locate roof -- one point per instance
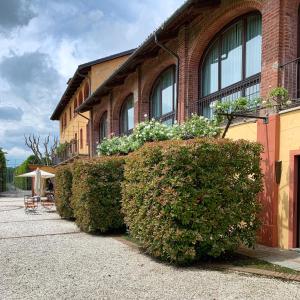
(78, 77)
(168, 30)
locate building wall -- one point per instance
(245, 130)
(289, 142)
(279, 45)
(97, 75)
(102, 71)
(76, 122)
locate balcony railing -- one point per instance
(72, 151)
(290, 80)
(249, 88)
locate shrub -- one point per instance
(151, 131)
(97, 194)
(63, 192)
(186, 199)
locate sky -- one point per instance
(41, 44)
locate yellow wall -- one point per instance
(289, 140)
(74, 124)
(102, 71)
(97, 75)
(246, 131)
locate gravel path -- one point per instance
(43, 257)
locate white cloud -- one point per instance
(46, 42)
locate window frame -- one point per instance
(103, 116)
(239, 86)
(124, 104)
(173, 113)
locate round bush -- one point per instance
(63, 192)
(186, 199)
(97, 194)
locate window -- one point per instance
(70, 112)
(65, 119)
(162, 102)
(127, 116)
(75, 143)
(232, 64)
(80, 98)
(81, 138)
(86, 91)
(103, 127)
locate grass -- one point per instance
(236, 260)
(246, 261)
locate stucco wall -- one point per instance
(246, 131)
(102, 71)
(289, 141)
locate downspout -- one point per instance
(175, 55)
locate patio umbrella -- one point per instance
(38, 175)
(38, 182)
(44, 174)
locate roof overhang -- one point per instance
(80, 74)
(148, 49)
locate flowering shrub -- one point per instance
(199, 126)
(153, 131)
(186, 199)
(279, 98)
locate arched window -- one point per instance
(127, 116)
(80, 98)
(86, 91)
(232, 64)
(162, 102)
(103, 127)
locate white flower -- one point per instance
(289, 102)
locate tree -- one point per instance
(2, 171)
(34, 143)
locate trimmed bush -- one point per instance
(63, 192)
(183, 200)
(97, 194)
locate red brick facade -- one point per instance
(280, 24)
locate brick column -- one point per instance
(183, 74)
(271, 42)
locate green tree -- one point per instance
(2, 171)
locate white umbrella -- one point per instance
(38, 182)
(44, 174)
(38, 175)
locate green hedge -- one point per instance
(63, 191)
(183, 200)
(97, 194)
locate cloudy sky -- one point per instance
(43, 41)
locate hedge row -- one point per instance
(63, 191)
(180, 199)
(187, 199)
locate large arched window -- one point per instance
(127, 116)
(232, 64)
(103, 127)
(163, 97)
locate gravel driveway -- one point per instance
(43, 257)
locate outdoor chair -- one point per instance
(48, 202)
(30, 203)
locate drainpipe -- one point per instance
(171, 52)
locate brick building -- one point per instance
(211, 50)
(74, 128)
